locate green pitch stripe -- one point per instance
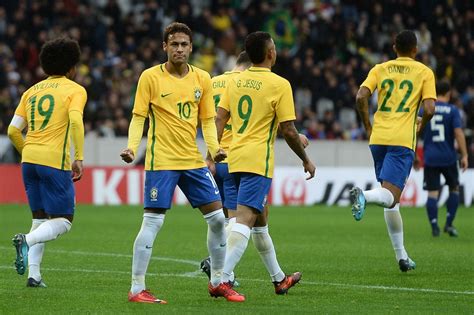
(153, 138)
(64, 147)
(270, 136)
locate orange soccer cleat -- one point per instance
(145, 296)
(283, 286)
(225, 290)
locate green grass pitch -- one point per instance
(347, 266)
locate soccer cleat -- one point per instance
(451, 230)
(21, 261)
(225, 290)
(283, 286)
(406, 264)
(32, 283)
(145, 296)
(358, 203)
(435, 231)
(206, 268)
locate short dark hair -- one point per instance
(59, 55)
(256, 46)
(177, 27)
(405, 42)
(443, 87)
(243, 59)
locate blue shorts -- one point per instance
(197, 184)
(48, 189)
(225, 182)
(392, 163)
(252, 190)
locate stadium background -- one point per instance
(326, 49)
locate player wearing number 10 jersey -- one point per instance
(51, 110)
(403, 84)
(175, 96)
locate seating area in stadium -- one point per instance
(325, 50)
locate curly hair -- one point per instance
(59, 55)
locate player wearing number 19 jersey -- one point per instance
(258, 101)
(402, 84)
(51, 110)
(175, 96)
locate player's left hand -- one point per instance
(416, 163)
(211, 165)
(464, 163)
(76, 170)
(304, 140)
(220, 155)
(127, 156)
(309, 168)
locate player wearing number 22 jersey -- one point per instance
(51, 111)
(403, 85)
(175, 96)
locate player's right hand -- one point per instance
(127, 156)
(309, 168)
(304, 140)
(416, 163)
(77, 169)
(220, 155)
(464, 163)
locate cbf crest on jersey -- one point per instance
(154, 194)
(197, 94)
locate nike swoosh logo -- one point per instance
(216, 192)
(223, 245)
(148, 247)
(165, 95)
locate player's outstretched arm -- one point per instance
(461, 140)
(17, 125)
(135, 132)
(428, 106)
(209, 133)
(293, 139)
(362, 106)
(221, 119)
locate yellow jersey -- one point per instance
(219, 84)
(258, 100)
(402, 85)
(45, 107)
(173, 106)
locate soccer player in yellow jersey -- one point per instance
(258, 101)
(403, 85)
(174, 96)
(51, 110)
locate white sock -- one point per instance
(35, 253)
(229, 226)
(142, 249)
(236, 245)
(264, 245)
(394, 222)
(48, 231)
(380, 196)
(216, 244)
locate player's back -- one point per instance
(402, 85)
(258, 100)
(438, 136)
(45, 106)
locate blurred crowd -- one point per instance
(326, 49)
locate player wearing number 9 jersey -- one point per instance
(51, 110)
(175, 96)
(258, 101)
(402, 84)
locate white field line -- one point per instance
(198, 274)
